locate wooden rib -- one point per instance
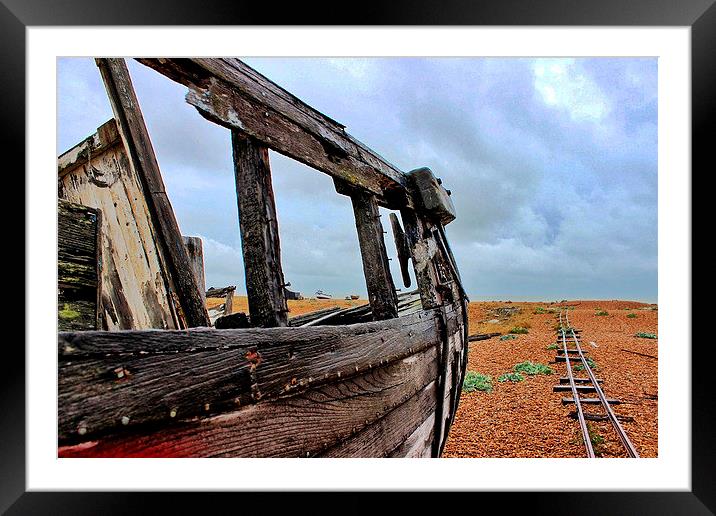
(297, 426)
(145, 375)
(422, 250)
(141, 154)
(259, 233)
(195, 250)
(232, 94)
(379, 282)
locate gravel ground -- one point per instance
(527, 419)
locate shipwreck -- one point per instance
(144, 371)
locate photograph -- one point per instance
(358, 257)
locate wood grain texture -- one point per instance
(77, 266)
(195, 250)
(107, 135)
(386, 435)
(298, 426)
(145, 375)
(419, 443)
(379, 282)
(260, 243)
(234, 95)
(422, 250)
(136, 140)
(135, 291)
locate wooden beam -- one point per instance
(232, 94)
(482, 336)
(78, 275)
(260, 241)
(381, 290)
(195, 249)
(389, 433)
(303, 425)
(422, 250)
(141, 154)
(144, 375)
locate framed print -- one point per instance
(513, 350)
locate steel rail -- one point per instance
(575, 395)
(600, 393)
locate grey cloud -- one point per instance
(549, 206)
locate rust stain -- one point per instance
(254, 358)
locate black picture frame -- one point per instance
(17, 15)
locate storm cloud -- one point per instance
(552, 164)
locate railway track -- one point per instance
(588, 384)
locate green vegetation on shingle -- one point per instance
(510, 377)
(532, 368)
(477, 382)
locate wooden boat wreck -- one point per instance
(141, 371)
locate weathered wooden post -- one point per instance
(133, 131)
(260, 241)
(422, 248)
(195, 250)
(381, 289)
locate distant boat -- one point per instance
(322, 295)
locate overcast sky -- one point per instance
(552, 164)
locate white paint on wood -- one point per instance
(132, 265)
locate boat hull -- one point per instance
(377, 389)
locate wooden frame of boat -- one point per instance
(379, 381)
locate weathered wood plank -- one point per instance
(221, 292)
(482, 336)
(387, 434)
(195, 250)
(260, 242)
(422, 250)
(234, 95)
(379, 282)
(77, 266)
(299, 426)
(300, 320)
(141, 154)
(135, 290)
(445, 391)
(419, 443)
(106, 136)
(144, 375)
